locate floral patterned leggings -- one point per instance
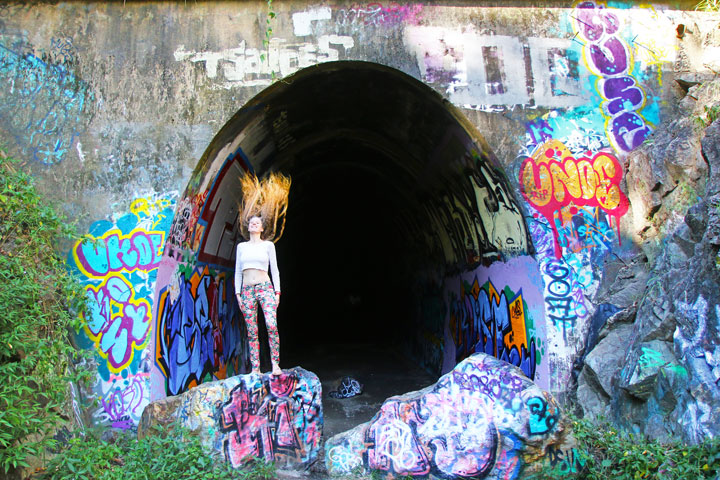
(264, 294)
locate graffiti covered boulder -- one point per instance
(484, 419)
(278, 418)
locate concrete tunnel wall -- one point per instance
(113, 104)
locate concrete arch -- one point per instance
(393, 189)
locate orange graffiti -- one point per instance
(552, 179)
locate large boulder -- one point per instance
(278, 418)
(484, 419)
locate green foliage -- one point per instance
(610, 453)
(159, 455)
(712, 113)
(708, 5)
(40, 304)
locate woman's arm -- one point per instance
(238, 270)
(274, 272)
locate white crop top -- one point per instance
(256, 255)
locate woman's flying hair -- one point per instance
(267, 199)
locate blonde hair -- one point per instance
(267, 199)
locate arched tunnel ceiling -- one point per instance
(416, 143)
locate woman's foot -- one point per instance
(255, 371)
(276, 370)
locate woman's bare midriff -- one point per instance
(253, 276)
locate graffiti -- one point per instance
(552, 179)
(271, 419)
(45, 105)
(375, 14)
(542, 419)
(451, 431)
(492, 72)
(62, 48)
(198, 333)
(118, 322)
(122, 405)
(113, 252)
(609, 57)
(496, 384)
(561, 300)
(484, 320)
(245, 67)
(567, 462)
(118, 267)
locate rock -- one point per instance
(639, 376)
(605, 359)
(485, 419)
(278, 418)
(591, 397)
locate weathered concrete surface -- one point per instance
(276, 418)
(485, 419)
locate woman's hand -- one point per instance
(277, 297)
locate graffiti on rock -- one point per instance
(118, 266)
(567, 462)
(485, 320)
(45, 105)
(609, 57)
(457, 428)
(274, 419)
(198, 330)
(553, 179)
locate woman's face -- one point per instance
(255, 225)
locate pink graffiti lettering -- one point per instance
(114, 252)
(118, 323)
(259, 425)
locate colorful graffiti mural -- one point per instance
(485, 320)
(558, 185)
(609, 57)
(118, 266)
(278, 418)
(473, 423)
(46, 103)
(199, 329)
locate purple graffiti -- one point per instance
(609, 58)
(198, 332)
(122, 406)
(118, 323)
(140, 251)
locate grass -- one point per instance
(609, 453)
(157, 455)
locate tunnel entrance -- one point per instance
(393, 192)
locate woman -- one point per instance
(264, 205)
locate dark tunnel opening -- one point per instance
(342, 252)
(394, 192)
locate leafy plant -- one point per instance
(268, 36)
(609, 453)
(172, 454)
(40, 304)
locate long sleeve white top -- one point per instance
(258, 255)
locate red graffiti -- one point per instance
(552, 179)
